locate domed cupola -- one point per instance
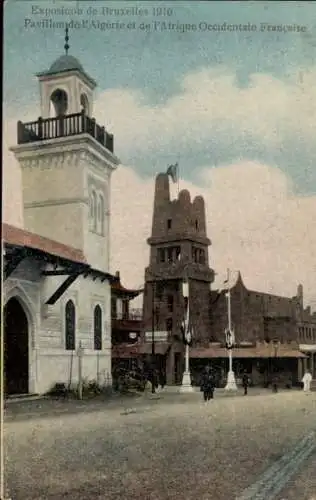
(65, 87)
(65, 63)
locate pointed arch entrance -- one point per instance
(16, 348)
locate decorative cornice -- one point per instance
(60, 201)
(54, 161)
(67, 144)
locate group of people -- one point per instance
(156, 378)
(208, 384)
(208, 381)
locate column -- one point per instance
(312, 364)
(299, 369)
(174, 254)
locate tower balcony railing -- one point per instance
(63, 126)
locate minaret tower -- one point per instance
(67, 160)
(178, 253)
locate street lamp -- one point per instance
(186, 378)
(230, 341)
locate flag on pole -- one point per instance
(230, 338)
(186, 328)
(172, 170)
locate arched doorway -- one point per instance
(16, 348)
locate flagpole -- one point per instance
(186, 385)
(231, 382)
(187, 344)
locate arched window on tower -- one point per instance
(93, 210)
(97, 327)
(101, 214)
(70, 326)
(84, 103)
(58, 109)
(59, 103)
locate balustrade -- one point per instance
(64, 126)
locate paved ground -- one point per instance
(46, 407)
(157, 450)
(303, 485)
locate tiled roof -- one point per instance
(15, 236)
(118, 288)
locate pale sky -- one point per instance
(237, 110)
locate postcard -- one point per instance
(159, 250)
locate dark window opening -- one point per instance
(194, 254)
(161, 255)
(178, 253)
(113, 308)
(202, 257)
(169, 324)
(170, 303)
(169, 223)
(125, 306)
(59, 100)
(97, 328)
(170, 254)
(196, 224)
(70, 320)
(159, 289)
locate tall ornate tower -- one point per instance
(67, 160)
(178, 252)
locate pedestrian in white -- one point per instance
(307, 381)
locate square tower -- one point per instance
(67, 160)
(178, 253)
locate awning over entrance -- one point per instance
(160, 347)
(125, 351)
(249, 352)
(135, 350)
(308, 347)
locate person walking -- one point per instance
(245, 383)
(208, 385)
(307, 379)
(275, 383)
(162, 378)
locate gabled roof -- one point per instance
(12, 235)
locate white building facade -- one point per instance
(56, 270)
